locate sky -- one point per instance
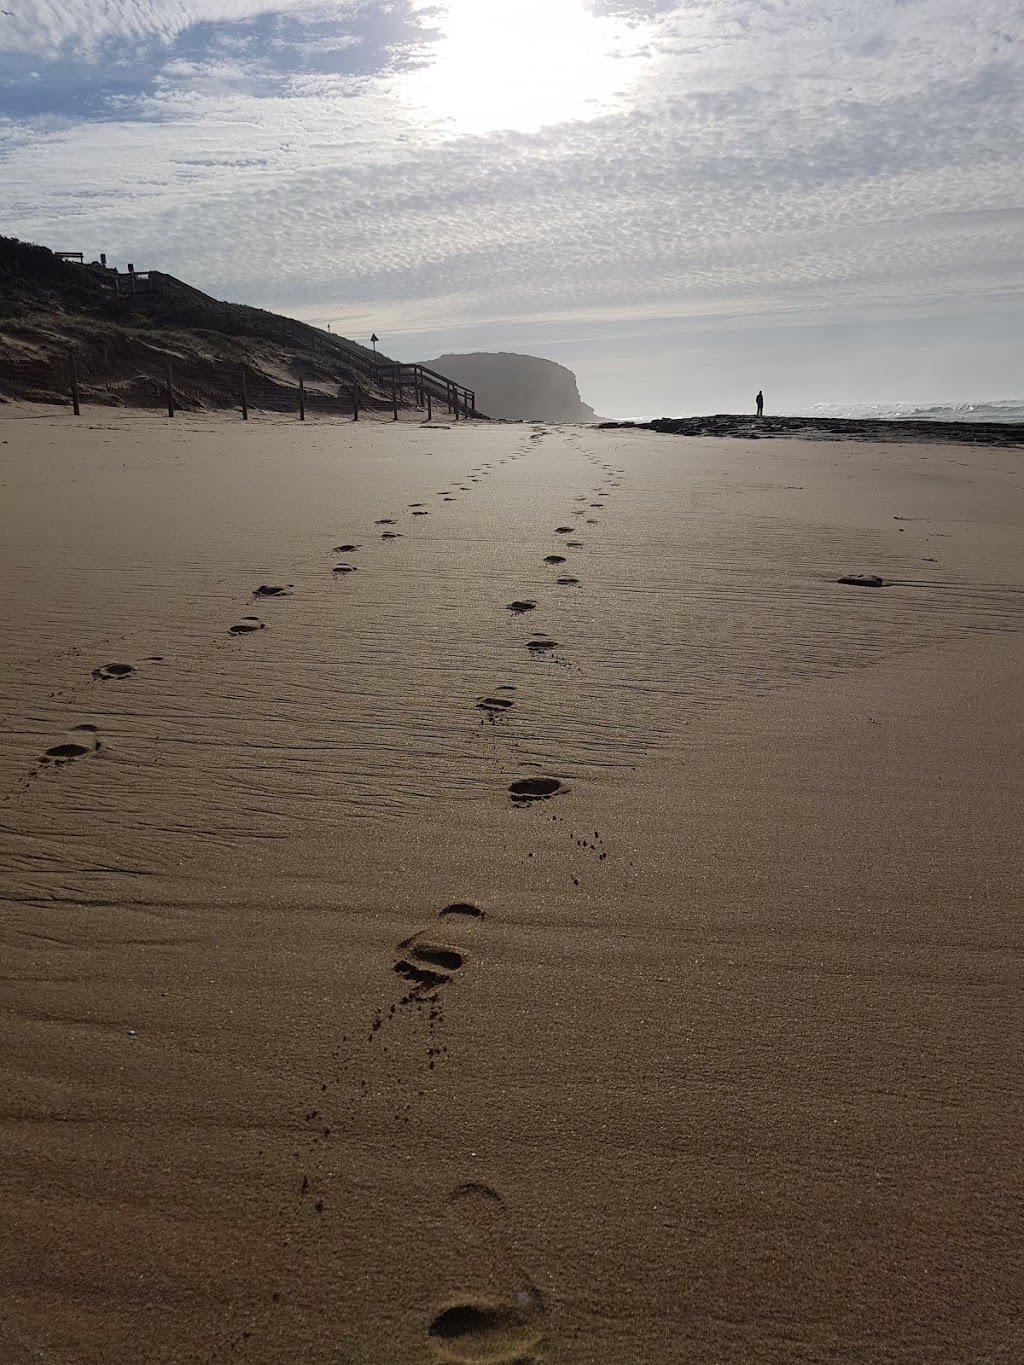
(681, 200)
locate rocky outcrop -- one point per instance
(517, 386)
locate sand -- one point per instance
(320, 1045)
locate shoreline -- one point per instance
(914, 431)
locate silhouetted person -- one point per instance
(760, 403)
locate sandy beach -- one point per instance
(391, 976)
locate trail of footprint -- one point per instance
(502, 1328)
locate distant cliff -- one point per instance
(517, 386)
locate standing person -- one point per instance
(760, 403)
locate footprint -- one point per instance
(494, 703)
(344, 549)
(416, 504)
(566, 581)
(266, 590)
(385, 521)
(344, 568)
(475, 1328)
(539, 645)
(554, 559)
(391, 535)
(119, 671)
(519, 607)
(429, 966)
(535, 789)
(864, 580)
(463, 908)
(574, 544)
(563, 530)
(245, 625)
(421, 514)
(82, 740)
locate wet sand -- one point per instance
(670, 1012)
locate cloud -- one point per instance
(773, 159)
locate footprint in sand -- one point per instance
(81, 740)
(416, 504)
(344, 568)
(246, 625)
(564, 530)
(864, 580)
(118, 672)
(500, 1327)
(344, 549)
(526, 604)
(494, 703)
(554, 559)
(429, 966)
(528, 789)
(541, 644)
(461, 909)
(391, 535)
(421, 514)
(574, 544)
(385, 521)
(272, 590)
(566, 582)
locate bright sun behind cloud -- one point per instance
(524, 65)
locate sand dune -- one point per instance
(562, 924)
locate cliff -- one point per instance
(517, 386)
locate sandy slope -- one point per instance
(713, 1056)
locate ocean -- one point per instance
(997, 410)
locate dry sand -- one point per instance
(720, 1058)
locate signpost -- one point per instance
(373, 342)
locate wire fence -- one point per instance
(117, 379)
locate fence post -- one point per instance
(74, 385)
(170, 390)
(394, 399)
(455, 395)
(430, 408)
(355, 400)
(245, 399)
(302, 399)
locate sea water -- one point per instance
(996, 410)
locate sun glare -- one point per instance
(523, 65)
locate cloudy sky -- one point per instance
(681, 200)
